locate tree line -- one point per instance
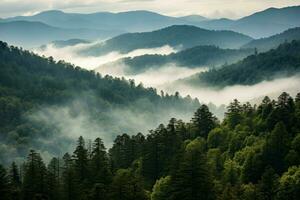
(252, 154)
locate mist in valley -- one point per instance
(168, 77)
(82, 118)
(244, 93)
(58, 127)
(72, 54)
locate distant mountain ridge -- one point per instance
(274, 41)
(131, 21)
(32, 34)
(182, 36)
(258, 25)
(261, 24)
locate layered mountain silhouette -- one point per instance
(177, 36)
(260, 24)
(132, 21)
(103, 25)
(274, 41)
(31, 34)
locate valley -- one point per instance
(138, 104)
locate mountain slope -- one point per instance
(281, 62)
(29, 34)
(178, 36)
(41, 99)
(274, 41)
(261, 24)
(200, 56)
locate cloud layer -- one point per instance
(209, 8)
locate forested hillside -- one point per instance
(252, 154)
(181, 36)
(281, 62)
(265, 44)
(44, 104)
(199, 56)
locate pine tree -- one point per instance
(34, 185)
(204, 121)
(99, 192)
(192, 181)
(99, 163)
(284, 108)
(53, 179)
(122, 152)
(276, 147)
(69, 181)
(15, 181)
(4, 184)
(80, 157)
(268, 186)
(127, 186)
(234, 114)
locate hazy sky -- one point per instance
(208, 8)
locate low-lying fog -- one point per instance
(71, 54)
(68, 126)
(244, 93)
(164, 77)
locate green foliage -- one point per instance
(289, 187)
(73, 91)
(192, 179)
(100, 165)
(126, 185)
(162, 189)
(276, 147)
(252, 154)
(217, 139)
(284, 60)
(4, 184)
(35, 176)
(204, 121)
(268, 185)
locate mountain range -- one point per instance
(177, 36)
(32, 34)
(103, 25)
(132, 21)
(274, 41)
(261, 24)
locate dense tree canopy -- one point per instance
(252, 154)
(31, 85)
(284, 61)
